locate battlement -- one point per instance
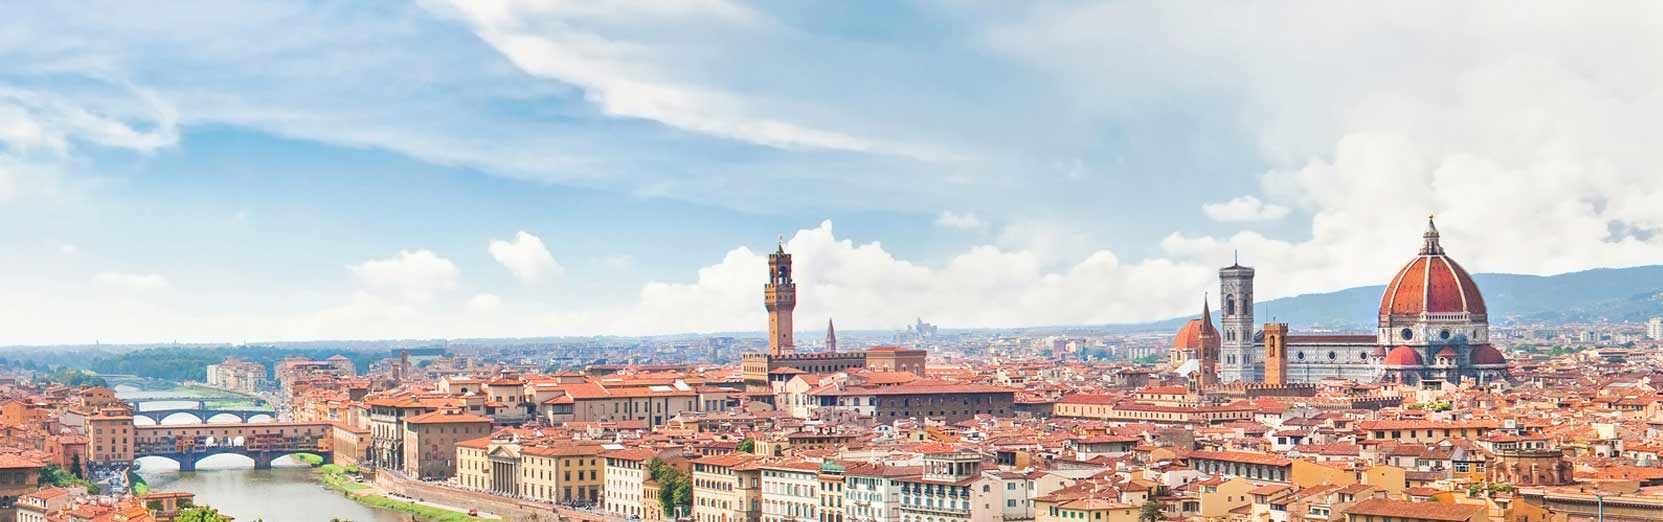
(1250, 390)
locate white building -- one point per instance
(871, 492)
(1654, 329)
(1002, 496)
(626, 473)
(942, 492)
(791, 492)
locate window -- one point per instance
(1407, 334)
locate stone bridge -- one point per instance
(199, 401)
(263, 442)
(203, 414)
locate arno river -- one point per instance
(288, 492)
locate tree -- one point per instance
(1151, 512)
(747, 446)
(52, 475)
(675, 487)
(202, 514)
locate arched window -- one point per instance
(1229, 305)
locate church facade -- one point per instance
(1433, 325)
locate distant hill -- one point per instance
(1605, 294)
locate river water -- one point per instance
(288, 492)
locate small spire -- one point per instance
(780, 240)
(831, 336)
(1431, 247)
(1206, 314)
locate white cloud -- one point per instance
(863, 284)
(415, 274)
(483, 303)
(39, 130)
(131, 282)
(1051, 241)
(1244, 209)
(961, 221)
(636, 76)
(527, 258)
(1533, 154)
(68, 249)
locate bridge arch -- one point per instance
(225, 417)
(191, 461)
(176, 418)
(185, 417)
(262, 442)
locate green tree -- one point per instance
(747, 446)
(675, 491)
(1151, 512)
(202, 514)
(52, 475)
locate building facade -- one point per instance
(430, 442)
(791, 492)
(727, 488)
(625, 479)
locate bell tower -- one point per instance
(1276, 354)
(1235, 294)
(779, 297)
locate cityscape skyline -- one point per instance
(831, 261)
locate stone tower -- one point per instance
(1208, 374)
(831, 336)
(1276, 354)
(1235, 294)
(779, 297)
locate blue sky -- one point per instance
(231, 171)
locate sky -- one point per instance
(240, 171)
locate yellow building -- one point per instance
(1307, 473)
(1220, 496)
(1085, 510)
(1391, 479)
(564, 472)
(727, 488)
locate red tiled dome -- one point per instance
(1486, 354)
(1193, 333)
(1431, 283)
(1403, 356)
(1446, 353)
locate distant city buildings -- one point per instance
(237, 375)
(1654, 329)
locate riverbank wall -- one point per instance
(508, 508)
